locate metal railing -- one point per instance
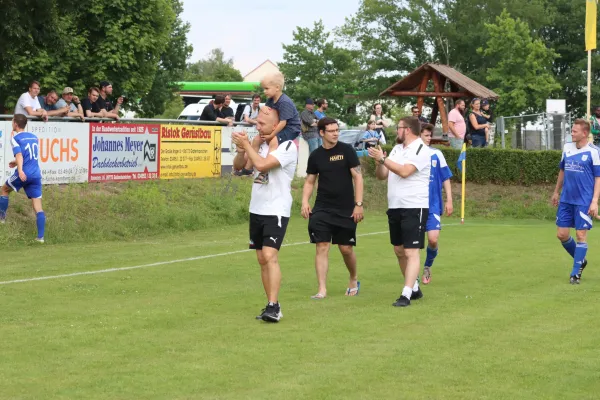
(544, 131)
(8, 117)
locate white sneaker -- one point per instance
(39, 240)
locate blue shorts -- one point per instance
(572, 216)
(434, 222)
(287, 134)
(32, 186)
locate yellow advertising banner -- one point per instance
(190, 151)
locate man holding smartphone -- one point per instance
(106, 90)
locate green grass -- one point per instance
(498, 321)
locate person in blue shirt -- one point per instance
(28, 175)
(439, 178)
(322, 106)
(371, 137)
(579, 179)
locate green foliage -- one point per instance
(215, 68)
(173, 108)
(138, 45)
(520, 67)
(315, 66)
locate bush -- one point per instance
(501, 166)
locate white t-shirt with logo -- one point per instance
(275, 197)
(411, 192)
(27, 101)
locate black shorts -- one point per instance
(267, 231)
(407, 227)
(329, 227)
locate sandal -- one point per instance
(318, 296)
(353, 291)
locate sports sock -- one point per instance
(580, 252)
(431, 255)
(407, 292)
(416, 286)
(3, 206)
(41, 224)
(569, 246)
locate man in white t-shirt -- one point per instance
(457, 125)
(407, 171)
(28, 103)
(251, 111)
(270, 204)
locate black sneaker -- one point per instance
(583, 265)
(262, 312)
(402, 302)
(575, 279)
(416, 295)
(272, 313)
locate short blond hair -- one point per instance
(275, 78)
(583, 123)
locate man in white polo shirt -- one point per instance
(28, 103)
(270, 204)
(407, 172)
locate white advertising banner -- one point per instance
(64, 150)
(227, 147)
(5, 150)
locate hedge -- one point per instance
(503, 166)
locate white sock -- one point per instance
(416, 286)
(407, 292)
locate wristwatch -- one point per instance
(382, 160)
(359, 204)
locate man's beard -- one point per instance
(399, 140)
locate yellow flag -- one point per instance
(590, 24)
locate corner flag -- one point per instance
(462, 157)
(590, 24)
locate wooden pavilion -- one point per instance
(415, 85)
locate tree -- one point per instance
(215, 68)
(520, 66)
(315, 67)
(79, 44)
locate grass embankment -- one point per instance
(117, 211)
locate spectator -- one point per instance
(49, 103)
(479, 126)
(111, 111)
(90, 104)
(371, 137)
(487, 112)
(212, 111)
(595, 125)
(251, 111)
(322, 107)
(28, 103)
(70, 100)
(310, 131)
(381, 121)
(457, 125)
(416, 112)
(226, 111)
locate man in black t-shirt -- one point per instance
(338, 207)
(104, 103)
(212, 111)
(90, 105)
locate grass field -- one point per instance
(498, 321)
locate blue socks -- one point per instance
(580, 252)
(431, 255)
(569, 246)
(3, 206)
(41, 224)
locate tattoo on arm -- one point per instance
(358, 170)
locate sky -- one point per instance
(252, 31)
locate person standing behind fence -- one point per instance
(595, 125)
(28, 175)
(70, 100)
(407, 171)
(251, 111)
(50, 104)
(479, 125)
(310, 132)
(104, 104)
(457, 125)
(28, 103)
(381, 122)
(90, 104)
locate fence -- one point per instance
(72, 151)
(545, 131)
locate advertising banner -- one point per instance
(228, 148)
(190, 151)
(120, 152)
(63, 151)
(5, 130)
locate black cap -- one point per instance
(309, 101)
(104, 84)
